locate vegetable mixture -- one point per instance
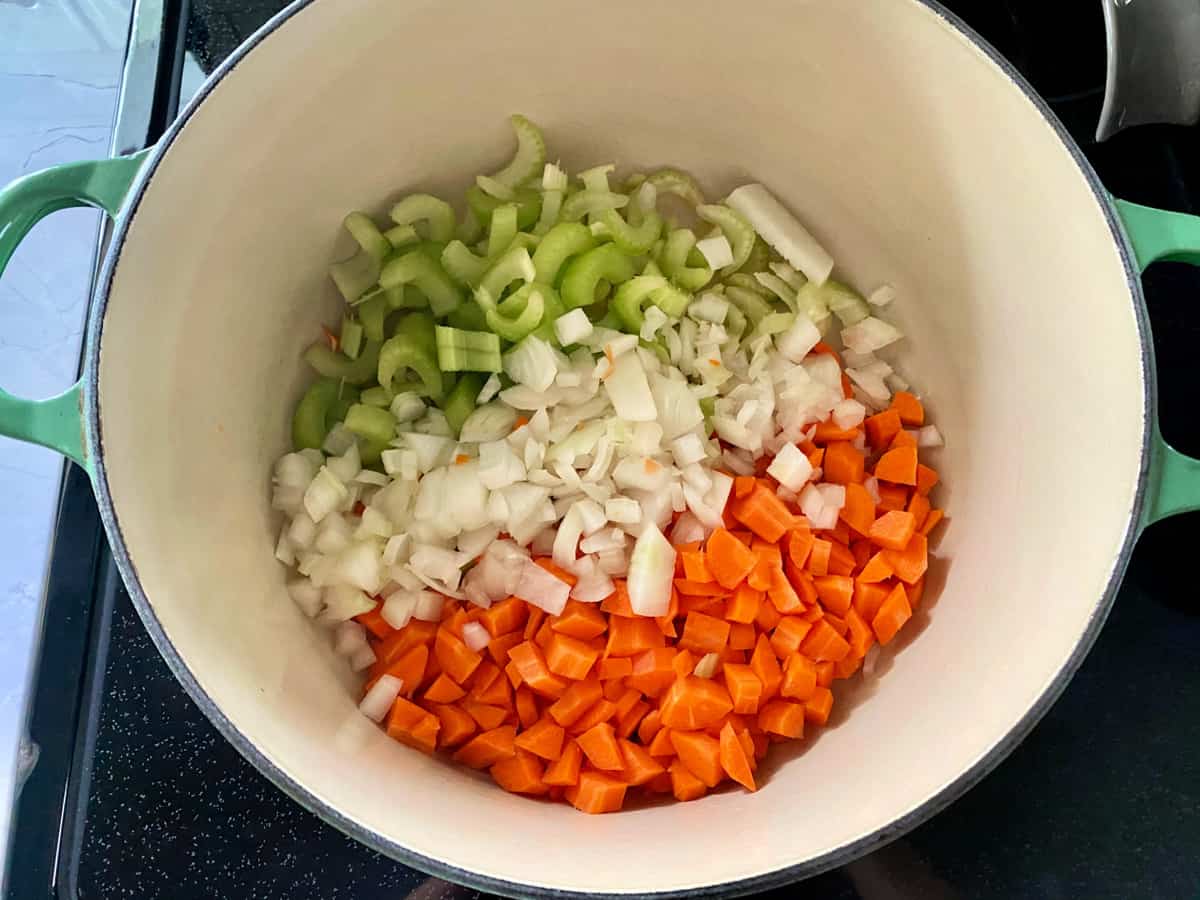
(582, 489)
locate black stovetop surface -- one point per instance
(135, 794)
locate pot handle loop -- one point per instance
(1157, 234)
(57, 422)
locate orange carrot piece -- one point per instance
(745, 688)
(828, 431)
(444, 690)
(617, 667)
(818, 557)
(861, 637)
(799, 677)
(835, 592)
(575, 701)
(728, 559)
(640, 767)
(628, 721)
(892, 615)
(695, 568)
(597, 793)
(627, 701)
(824, 643)
(841, 560)
(847, 667)
(534, 622)
(488, 748)
(565, 770)
(599, 745)
(881, 428)
(544, 634)
(892, 496)
(557, 571)
(487, 717)
(932, 521)
(843, 463)
(456, 658)
(699, 588)
(869, 597)
(601, 711)
(927, 479)
(783, 718)
(683, 663)
(915, 593)
(701, 754)
(650, 726)
(911, 412)
(410, 669)
(704, 634)
(521, 773)
(765, 666)
(684, 785)
(859, 511)
(799, 544)
(893, 529)
(531, 663)
(763, 513)
(661, 745)
(818, 706)
(693, 702)
(612, 689)
(456, 725)
(876, 570)
(919, 506)
(505, 616)
(513, 672)
(652, 672)
(743, 485)
(527, 707)
(628, 637)
(768, 617)
(788, 635)
(498, 647)
(904, 439)
(742, 636)
(910, 563)
(898, 466)
(733, 758)
(617, 603)
(570, 657)
(580, 620)
(743, 607)
(544, 739)
(375, 623)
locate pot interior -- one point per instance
(905, 149)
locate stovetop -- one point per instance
(135, 794)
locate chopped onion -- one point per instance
(929, 436)
(790, 467)
(716, 251)
(432, 450)
(707, 666)
(677, 407)
(687, 449)
(651, 569)
(398, 608)
(849, 414)
(882, 295)
(490, 389)
(543, 590)
(531, 363)
(628, 389)
(380, 697)
(342, 602)
(489, 422)
(427, 606)
(305, 595)
(475, 636)
(324, 495)
(610, 539)
(363, 658)
(869, 335)
(407, 407)
(437, 564)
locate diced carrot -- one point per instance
(729, 560)
(799, 677)
(910, 563)
(693, 702)
(456, 658)
(818, 706)
(742, 636)
(400, 642)
(745, 688)
(893, 529)
(599, 745)
(859, 509)
(860, 637)
(695, 568)
(640, 767)
(565, 770)
(617, 667)
(498, 647)
(597, 793)
(911, 412)
(627, 637)
(683, 663)
(487, 717)
(444, 690)
(661, 744)
(527, 707)
(488, 748)
(788, 635)
(498, 693)
(898, 466)
(521, 773)
(783, 718)
(701, 754)
(816, 456)
(760, 576)
(763, 513)
(765, 666)
(617, 603)
(650, 726)
(743, 485)
(743, 607)
(684, 785)
(927, 479)
(544, 634)
(892, 496)
(876, 569)
(904, 439)
(828, 432)
(799, 544)
(628, 721)
(570, 657)
(892, 615)
(557, 571)
(652, 672)
(868, 597)
(747, 743)
(847, 667)
(456, 725)
(881, 428)
(919, 506)
(733, 758)
(746, 537)
(505, 616)
(844, 464)
(824, 643)
(409, 668)
(862, 552)
(531, 663)
(837, 623)
(575, 701)
(375, 623)
(768, 616)
(915, 593)
(513, 672)
(841, 560)
(613, 689)
(536, 617)
(835, 592)
(580, 620)
(704, 634)
(601, 711)
(818, 557)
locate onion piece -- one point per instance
(380, 697)
(651, 570)
(628, 389)
(543, 590)
(475, 636)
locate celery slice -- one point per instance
(437, 215)
(736, 229)
(529, 206)
(503, 229)
(634, 240)
(674, 261)
(631, 296)
(584, 274)
(750, 283)
(462, 265)
(530, 157)
(371, 423)
(413, 347)
(588, 202)
(561, 242)
(309, 421)
(350, 339)
(368, 236)
(468, 317)
(355, 276)
(376, 396)
(752, 306)
(400, 236)
(418, 267)
(333, 364)
(515, 265)
(467, 351)
(681, 184)
(517, 316)
(460, 402)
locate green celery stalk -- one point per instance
(460, 403)
(412, 347)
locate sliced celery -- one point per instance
(355, 276)
(587, 202)
(631, 295)
(469, 317)
(371, 423)
(529, 206)
(333, 364)
(370, 452)
(467, 351)
(351, 337)
(845, 302)
(735, 323)
(752, 306)
(750, 283)
(604, 263)
(561, 242)
(413, 347)
(671, 300)
(530, 157)
(400, 236)
(503, 229)
(515, 265)
(517, 316)
(553, 309)
(633, 239)
(760, 255)
(372, 313)
(438, 215)
(347, 397)
(681, 184)
(376, 396)
(460, 402)
(309, 420)
(736, 229)
(810, 300)
(419, 268)
(368, 236)
(469, 229)
(674, 261)
(462, 265)
(658, 349)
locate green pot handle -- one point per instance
(1155, 234)
(57, 423)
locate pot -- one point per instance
(917, 156)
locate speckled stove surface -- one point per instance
(1103, 800)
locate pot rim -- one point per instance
(375, 841)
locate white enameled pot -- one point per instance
(914, 153)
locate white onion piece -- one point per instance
(707, 666)
(716, 251)
(475, 636)
(929, 436)
(882, 295)
(531, 363)
(849, 414)
(323, 495)
(543, 590)
(428, 606)
(283, 549)
(432, 450)
(593, 588)
(782, 230)
(305, 595)
(869, 335)
(363, 658)
(872, 486)
(790, 467)
(651, 569)
(628, 390)
(348, 637)
(343, 602)
(380, 697)
(489, 422)
(398, 607)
